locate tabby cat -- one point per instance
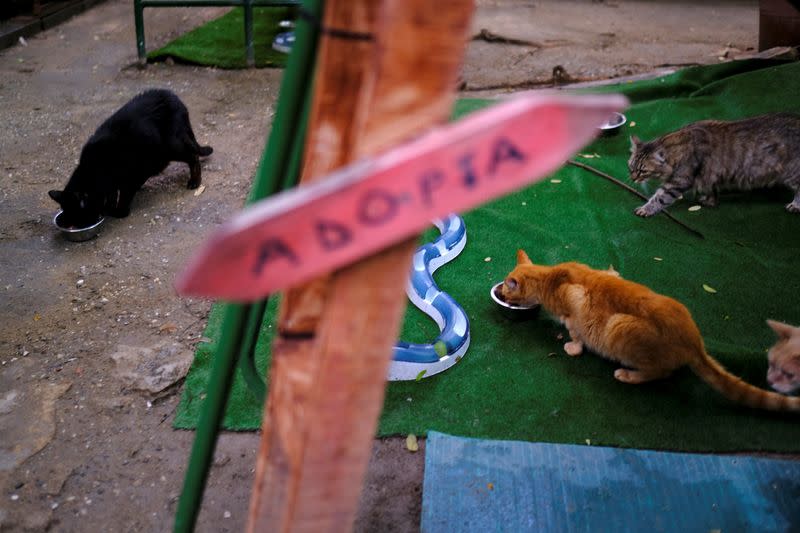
(710, 156)
(650, 335)
(784, 358)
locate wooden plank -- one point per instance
(316, 440)
(333, 127)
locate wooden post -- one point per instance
(330, 362)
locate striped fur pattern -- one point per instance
(710, 156)
(649, 334)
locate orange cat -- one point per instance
(784, 358)
(650, 335)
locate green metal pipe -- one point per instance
(271, 174)
(273, 166)
(138, 17)
(247, 356)
(205, 439)
(249, 51)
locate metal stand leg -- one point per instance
(138, 16)
(250, 53)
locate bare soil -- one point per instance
(82, 448)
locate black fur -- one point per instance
(133, 144)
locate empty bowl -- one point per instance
(613, 125)
(511, 311)
(74, 233)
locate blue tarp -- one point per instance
(487, 485)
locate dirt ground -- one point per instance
(82, 447)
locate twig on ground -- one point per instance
(491, 37)
(633, 191)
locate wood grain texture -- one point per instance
(326, 391)
(343, 81)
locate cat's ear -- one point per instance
(611, 270)
(784, 331)
(635, 142)
(56, 195)
(511, 283)
(660, 156)
(522, 258)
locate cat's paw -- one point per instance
(708, 201)
(793, 207)
(643, 211)
(573, 348)
(624, 375)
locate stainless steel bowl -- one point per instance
(77, 234)
(613, 125)
(513, 312)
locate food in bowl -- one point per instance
(511, 311)
(75, 233)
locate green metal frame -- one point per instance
(242, 322)
(248, 5)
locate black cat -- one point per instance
(133, 144)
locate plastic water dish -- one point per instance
(510, 311)
(613, 125)
(75, 234)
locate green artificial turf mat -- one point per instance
(220, 42)
(515, 382)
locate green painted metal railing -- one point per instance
(248, 5)
(278, 169)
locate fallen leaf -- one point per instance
(419, 376)
(411, 443)
(169, 327)
(555, 181)
(588, 442)
(694, 208)
(200, 190)
(657, 259)
(632, 123)
(36, 317)
(487, 259)
(706, 288)
(490, 486)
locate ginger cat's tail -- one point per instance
(739, 391)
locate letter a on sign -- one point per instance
(508, 146)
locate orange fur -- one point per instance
(649, 334)
(784, 358)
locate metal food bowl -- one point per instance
(76, 234)
(510, 311)
(613, 125)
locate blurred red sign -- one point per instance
(297, 235)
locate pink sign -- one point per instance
(294, 236)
